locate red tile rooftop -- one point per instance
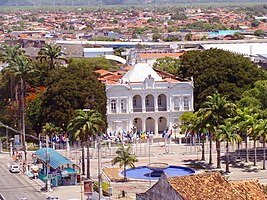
(157, 55)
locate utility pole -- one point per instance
(99, 169)
(47, 167)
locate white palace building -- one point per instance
(144, 98)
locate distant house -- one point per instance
(211, 186)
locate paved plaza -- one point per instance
(174, 154)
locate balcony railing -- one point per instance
(176, 108)
(150, 109)
(162, 108)
(137, 109)
(113, 111)
(123, 111)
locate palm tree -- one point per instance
(201, 128)
(124, 158)
(20, 66)
(253, 132)
(84, 126)
(262, 126)
(214, 111)
(227, 132)
(245, 120)
(52, 53)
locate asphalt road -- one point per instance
(14, 186)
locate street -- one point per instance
(14, 186)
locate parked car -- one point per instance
(52, 198)
(14, 168)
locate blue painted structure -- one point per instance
(225, 32)
(146, 174)
(60, 172)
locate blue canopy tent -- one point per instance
(59, 172)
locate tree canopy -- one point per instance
(71, 88)
(218, 70)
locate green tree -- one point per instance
(71, 88)
(259, 33)
(256, 98)
(156, 37)
(218, 70)
(20, 66)
(124, 158)
(227, 132)
(86, 125)
(168, 64)
(238, 36)
(188, 37)
(254, 133)
(118, 52)
(255, 23)
(214, 111)
(244, 120)
(52, 53)
(263, 133)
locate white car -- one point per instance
(14, 168)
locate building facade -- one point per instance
(147, 100)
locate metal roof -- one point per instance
(97, 50)
(56, 159)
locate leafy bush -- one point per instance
(104, 188)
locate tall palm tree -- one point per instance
(253, 131)
(20, 66)
(214, 111)
(244, 119)
(200, 127)
(84, 126)
(227, 132)
(124, 158)
(52, 53)
(262, 126)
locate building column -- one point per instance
(156, 127)
(168, 101)
(143, 104)
(117, 105)
(156, 103)
(130, 124)
(129, 105)
(144, 124)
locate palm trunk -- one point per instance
(255, 153)
(83, 164)
(218, 149)
(88, 160)
(124, 171)
(238, 149)
(227, 158)
(23, 118)
(264, 153)
(210, 161)
(203, 149)
(247, 158)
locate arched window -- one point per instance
(123, 109)
(147, 101)
(113, 106)
(159, 100)
(176, 103)
(134, 101)
(186, 103)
